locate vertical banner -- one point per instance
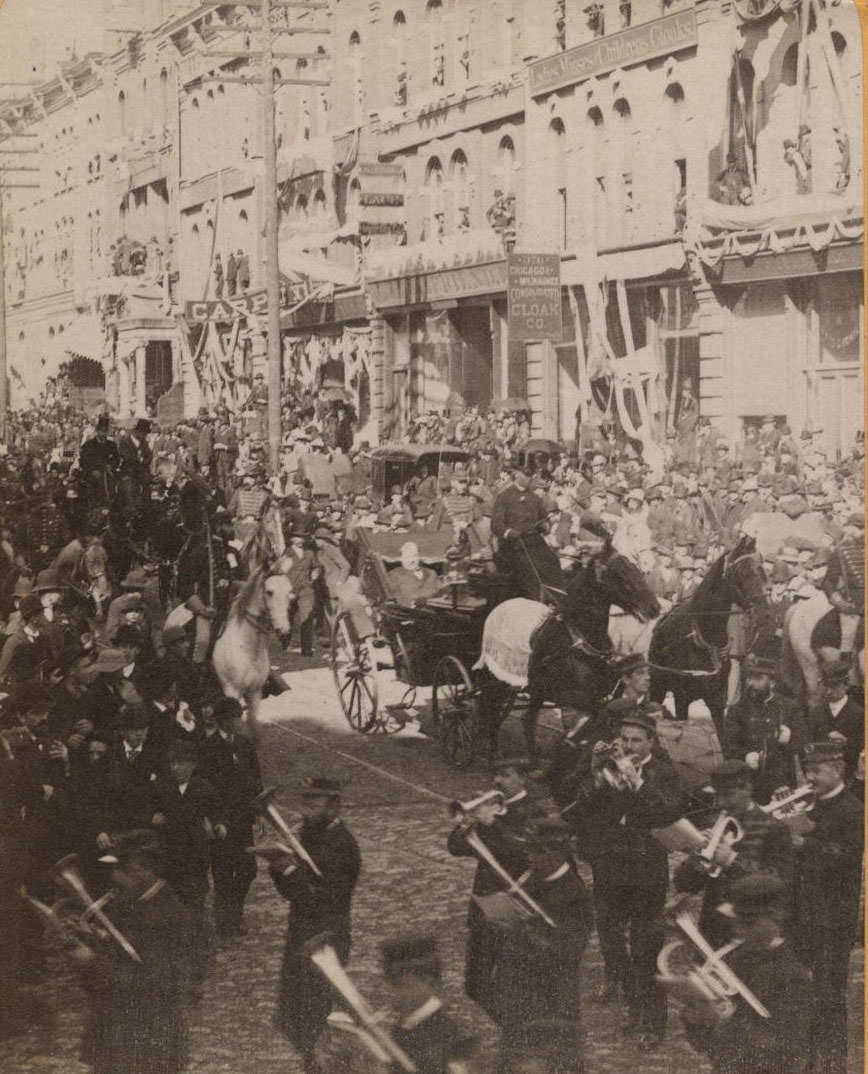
(534, 297)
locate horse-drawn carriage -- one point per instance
(433, 643)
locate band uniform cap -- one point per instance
(110, 660)
(321, 787)
(518, 764)
(23, 586)
(29, 606)
(47, 582)
(622, 708)
(626, 665)
(638, 717)
(729, 772)
(228, 708)
(757, 894)
(135, 579)
(820, 752)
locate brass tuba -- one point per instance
(618, 770)
(67, 876)
(322, 954)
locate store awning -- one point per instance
(638, 263)
(296, 263)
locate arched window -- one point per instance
(675, 92)
(558, 157)
(21, 337)
(122, 112)
(319, 203)
(839, 42)
(353, 199)
(399, 22)
(458, 174)
(436, 42)
(301, 206)
(624, 177)
(506, 164)
(434, 222)
(356, 73)
(51, 333)
(622, 107)
(164, 97)
(355, 39)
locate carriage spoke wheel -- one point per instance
(355, 676)
(453, 706)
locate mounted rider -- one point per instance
(98, 463)
(135, 463)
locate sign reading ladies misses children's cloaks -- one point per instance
(534, 296)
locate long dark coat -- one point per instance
(136, 1022)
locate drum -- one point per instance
(693, 747)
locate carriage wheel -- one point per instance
(454, 705)
(355, 675)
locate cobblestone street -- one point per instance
(408, 880)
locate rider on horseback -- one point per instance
(98, 463)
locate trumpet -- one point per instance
(712, 979)
(322, 954)
(527, 904)
(726, 831)
(786, 804)
(466, 811)
(67, 876)
(618, 770)
(264, 805)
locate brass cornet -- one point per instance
(618, 770)
(786, 804)
(726, 831)
(323, 955)
(466, 811)
(67, 876)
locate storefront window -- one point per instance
(839, 317)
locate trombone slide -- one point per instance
(66, 875)
(513, 887)
(715, 969)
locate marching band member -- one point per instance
(317, 904)
(729, 1030)
(764, 846)
(618, 810)
(829, 879)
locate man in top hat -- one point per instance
(737, 1039)
(764, 846)
(99, 460)
(424, 1030)
(412, 582)
(135, 462)
(615, 819)
(829, 879)
(318, 904)
(764, 729)
(136, 1019)
(839, 718)
(225, 450)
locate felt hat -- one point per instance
(23, 586)
(47, 582)
(109, 660)
(30, 606)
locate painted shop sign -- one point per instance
(381, 199)
(427, 287)
(254, 302)
(632, 46)
(534, 296)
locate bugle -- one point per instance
(513, 887)
(264, 805)
(322, 954)
(467, 810)
(786, 804)
(618, 770)
(67, 876)
(726, 831)
(713, 975)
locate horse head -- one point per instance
(277, 593)
(744, 576)
(624, 584)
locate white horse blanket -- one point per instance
(506, 638)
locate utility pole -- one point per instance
(272, 261)
(267, 81)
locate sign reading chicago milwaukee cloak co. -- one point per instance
(534, 296)
(623, 49)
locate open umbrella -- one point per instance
(512, 403)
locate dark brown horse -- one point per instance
(688, 652)
(569, 649)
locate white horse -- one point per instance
(241, 658)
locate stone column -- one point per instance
(123, 371)
(139, 405)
